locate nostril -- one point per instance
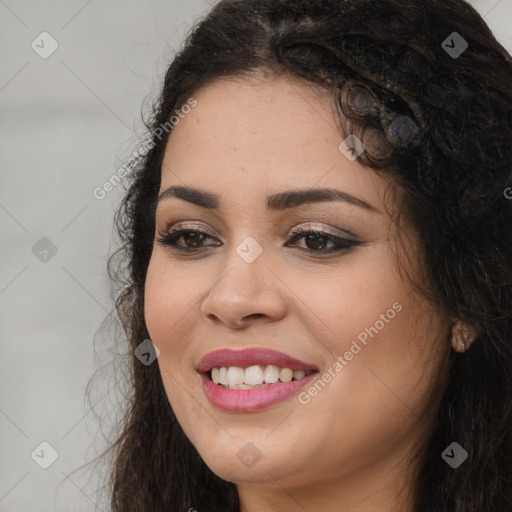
(255, 315)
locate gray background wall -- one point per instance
(67, 123)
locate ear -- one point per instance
(463, 335)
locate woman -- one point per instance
(318, 250)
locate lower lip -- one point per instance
(252, 400)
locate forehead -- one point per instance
(252, 137)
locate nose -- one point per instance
(245, 293)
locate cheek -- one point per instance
(168, 297)
(349, 299)
(390, 337)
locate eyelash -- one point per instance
(170, 237)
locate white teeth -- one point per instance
(254, 376)
(285, 375)
(271, 374)
(235, 375)
(223, 376)
(299, 374)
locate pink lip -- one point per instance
(251, 400)
(249, 357)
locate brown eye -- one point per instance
(193, 239)
(316, 241)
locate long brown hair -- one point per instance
(441, 124)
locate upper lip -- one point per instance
(250, 357)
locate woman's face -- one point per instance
(334, 301)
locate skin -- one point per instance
(351, 443)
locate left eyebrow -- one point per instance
(276, 202)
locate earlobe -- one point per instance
(462, 335)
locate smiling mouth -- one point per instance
(253, 377)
